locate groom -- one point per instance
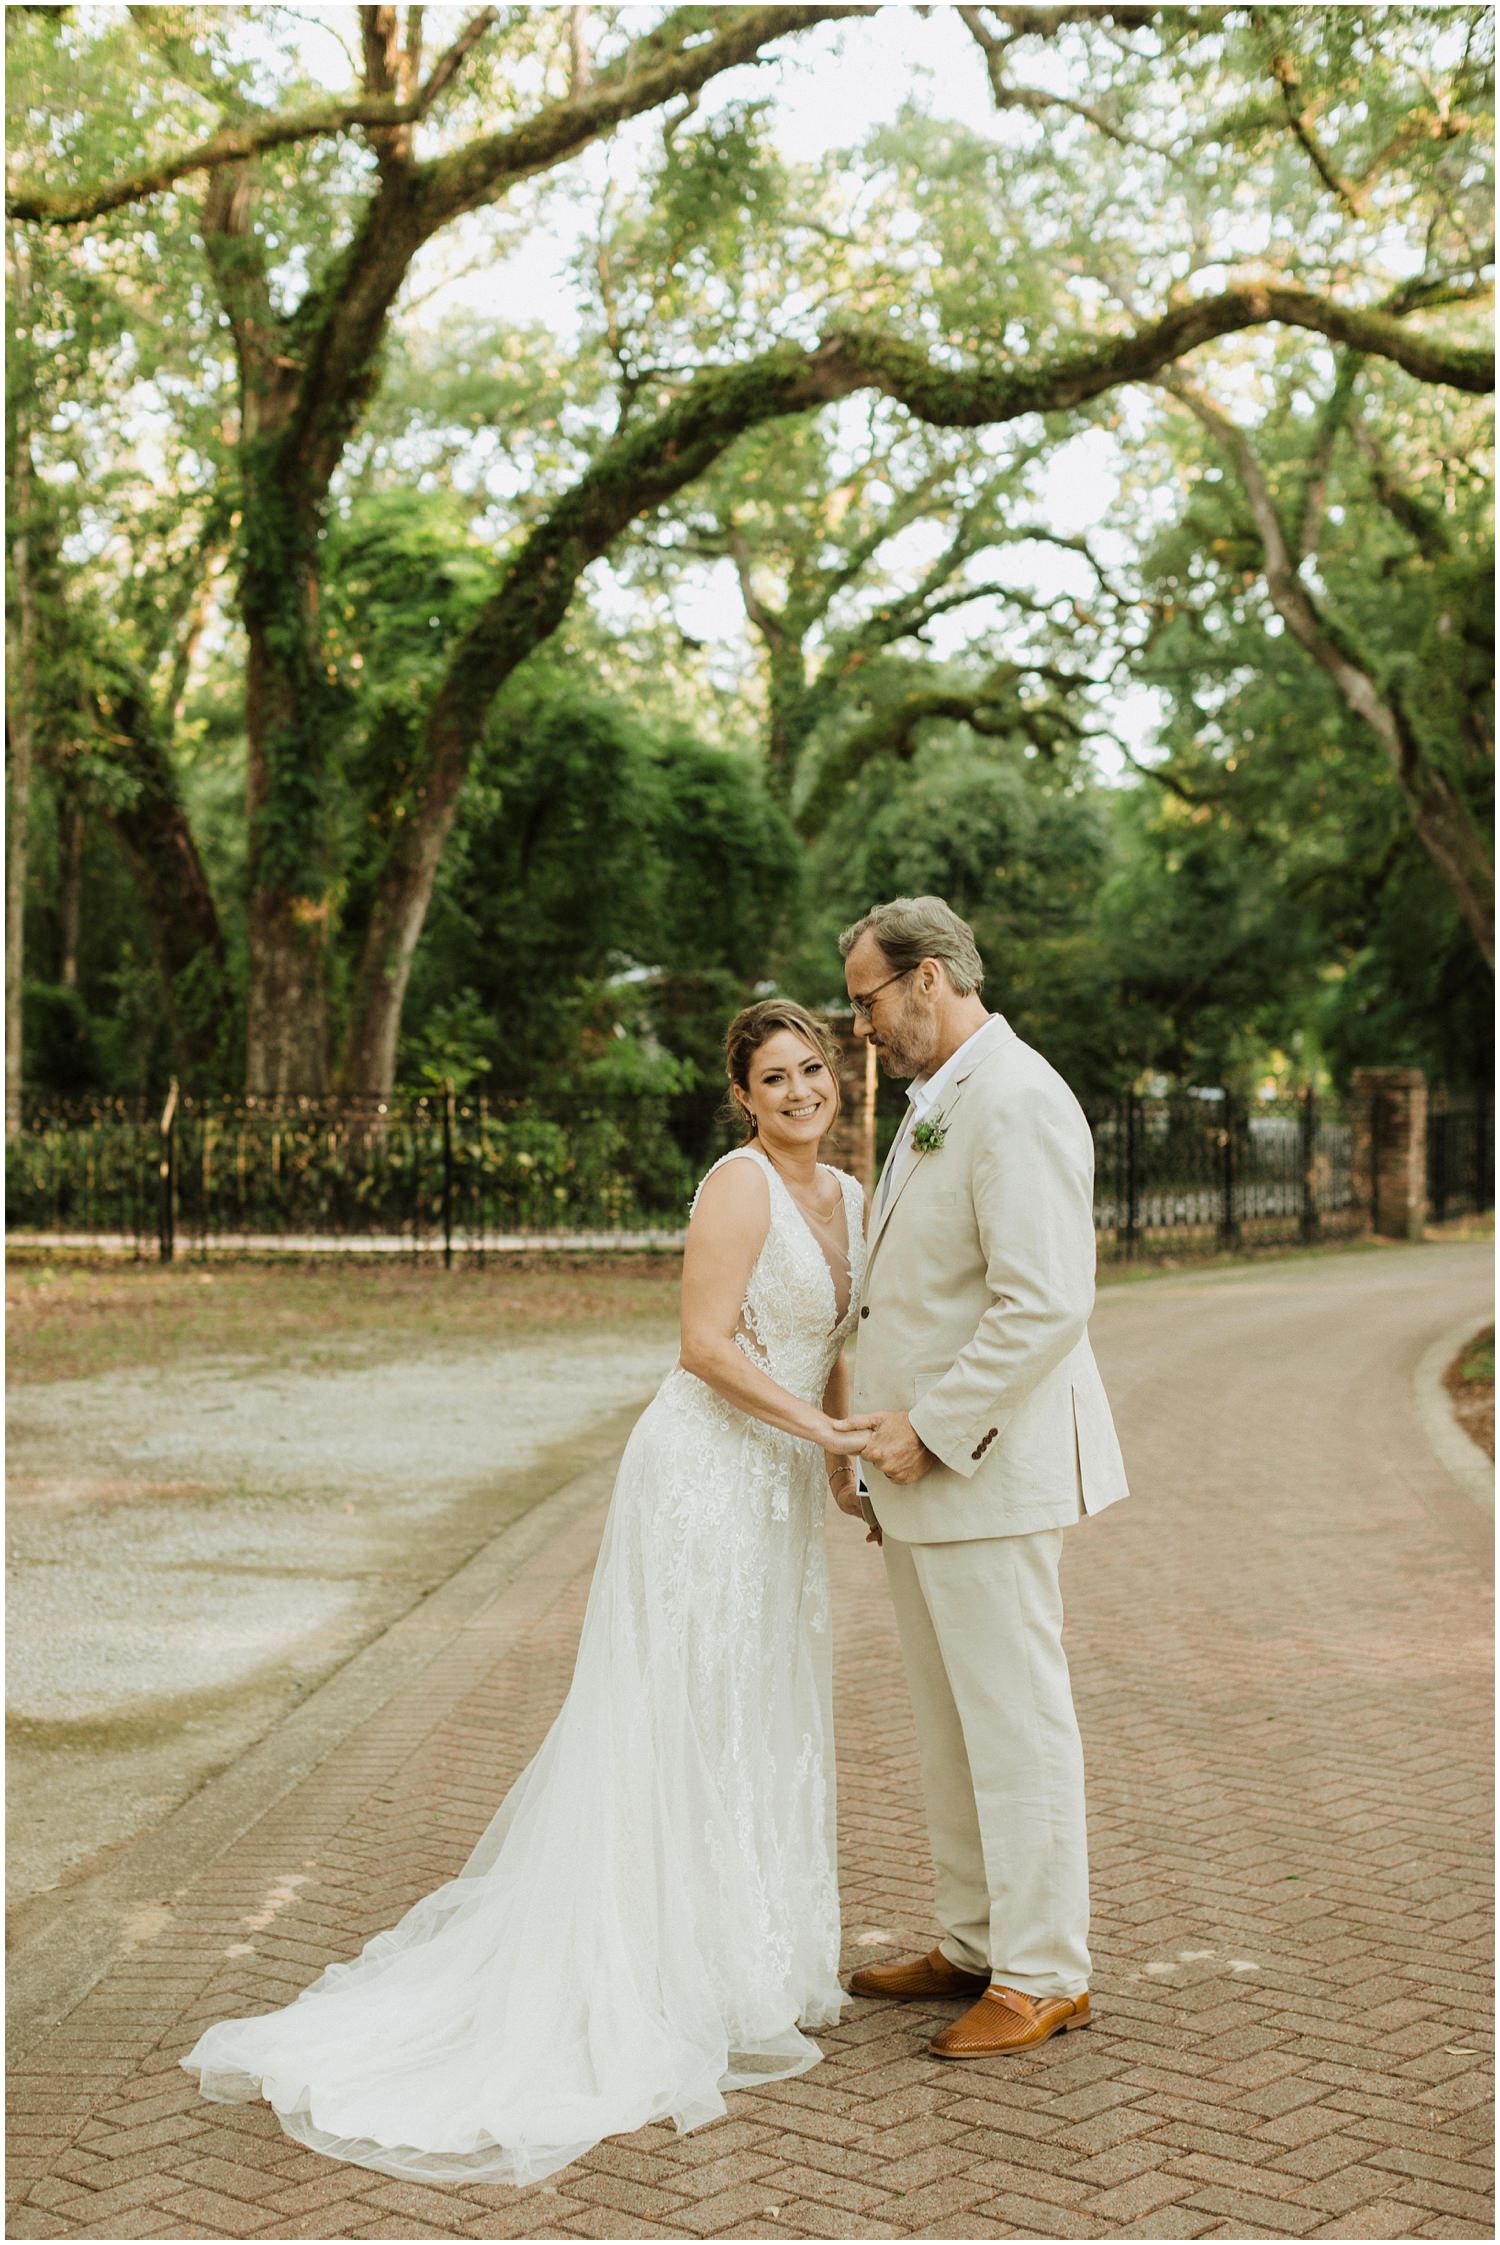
(989, 1435)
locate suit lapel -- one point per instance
(898, 1185)
(998, 1032)
(887, 1167)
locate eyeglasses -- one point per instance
(864, 1006)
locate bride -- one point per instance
(652, 1916)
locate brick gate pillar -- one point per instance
(851, 1143)
(1390, 1149)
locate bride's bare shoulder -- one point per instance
(735, 1192)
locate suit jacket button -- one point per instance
(979, 1453)
(865, 1311)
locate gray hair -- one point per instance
(912, 928)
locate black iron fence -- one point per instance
(1200, 1171)
(1194, 1172)
(1460, 1157)
(405, 1172)
(1204, 1171)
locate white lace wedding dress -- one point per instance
(652, 1916)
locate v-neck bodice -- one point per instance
(798, 1308)
(822, 1233)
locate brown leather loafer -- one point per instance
(1003, 2020)
(925, 1976)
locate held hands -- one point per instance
(891, 1444)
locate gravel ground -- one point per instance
(193, 1546)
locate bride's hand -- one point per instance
(842, 1440)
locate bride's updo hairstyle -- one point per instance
(746, 1034)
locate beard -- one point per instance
(906, 1044)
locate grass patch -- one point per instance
(68, 1319)
(1157, 1264)
(1478, 1360)
(71, 1314)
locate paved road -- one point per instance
(1281, 1651)
(192, 1548)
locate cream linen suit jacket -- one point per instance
(978, 1287)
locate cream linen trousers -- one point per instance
(1002, 1764)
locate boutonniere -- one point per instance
(928, 1136)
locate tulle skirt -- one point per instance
(651, 1918)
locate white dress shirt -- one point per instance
(923, 1095)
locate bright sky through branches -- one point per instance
(827, 91)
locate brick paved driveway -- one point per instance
(1280, 1651)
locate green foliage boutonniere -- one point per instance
(929, 1136)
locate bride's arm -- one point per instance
(726, 1235)
(842, 1478)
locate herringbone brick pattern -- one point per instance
(1279, 1652)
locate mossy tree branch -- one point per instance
(305, 383)
(674, 59)
(999, 707)
(1440, 817)
(376, 109)
(651, 461)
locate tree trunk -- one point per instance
(20, 738)
(288, 720)
(1441, 819)
(152, 829)
(286, 1018)
(70, 883)
(787, 713)
(1450, 834)
(287, 723)
(369, 1060)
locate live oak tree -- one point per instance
(1281, 887)
(850, 536)
(800, 540)
(1424, 704)
(1390, 137)
(821, 550)
(117, 524)
(306, 370)
(649, 463)
(1026, 314)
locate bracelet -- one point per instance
(835, 1472)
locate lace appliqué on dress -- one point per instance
(556, 1992)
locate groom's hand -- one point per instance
(894, 1447)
